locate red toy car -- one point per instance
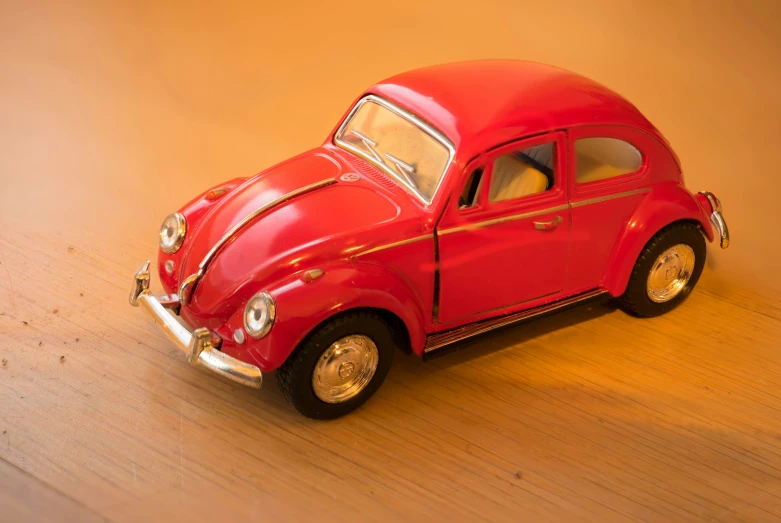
(449, 201)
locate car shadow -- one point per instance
(519, 333)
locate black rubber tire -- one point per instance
(295, 375)
(635, 299)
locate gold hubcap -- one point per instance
(670, 273)
(345, 368)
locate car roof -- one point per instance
(483, 103)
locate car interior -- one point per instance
(530, 171)
(522, 173)
(603, 158)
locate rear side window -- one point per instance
(603, 158)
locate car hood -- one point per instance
(323, 224)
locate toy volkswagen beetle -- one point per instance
(449, 201)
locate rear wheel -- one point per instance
(339, 366)
(666, 271)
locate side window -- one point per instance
(523, 172)
(469, 196)
(602, 158)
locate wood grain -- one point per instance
(111, 116)
(24, 498)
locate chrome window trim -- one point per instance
(423, 126)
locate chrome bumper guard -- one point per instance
(717, 219)
(197, 345)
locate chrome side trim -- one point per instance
(395, 244)
(511, 305)
(607, 197)
(503, 219)
(544, 211)
(442, 339)
(188, 285)
(426, 128)
(197, 345)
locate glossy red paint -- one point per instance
(515, 263)
(598, 227)
(482, 103)
(193, 211)
(302, 306)
(666, 203)
(437, 266)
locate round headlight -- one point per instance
(172, 233)
(259, 315)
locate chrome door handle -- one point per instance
(548, 226)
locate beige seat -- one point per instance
(592, 170)
(512, 178)
(603, 158)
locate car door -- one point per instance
(504, 237)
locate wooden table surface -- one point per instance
(110, 117)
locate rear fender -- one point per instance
(665, 204)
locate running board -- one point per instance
(442, 339)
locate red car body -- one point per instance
(438, 269)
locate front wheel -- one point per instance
(666, 271)
(339, 366)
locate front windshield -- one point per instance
(397, 142)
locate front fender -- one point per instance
(665, 204)
(302, 306)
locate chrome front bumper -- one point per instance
(197, 345)
(717, 219)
